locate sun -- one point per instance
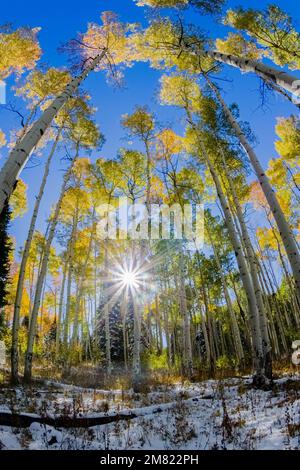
(129, 279)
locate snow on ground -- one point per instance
(226, 414)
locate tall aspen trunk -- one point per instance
(285, 231)
(187, 342)
(245, 276)
(106, 311)
(159, 328)
(284, 80)
(207, 324)
(273, 332)
(21, 152)
(271, 296)
(124, 307)
(81, 286)
(68, 307)
(209, 361)
(204, 318)
(138, 307)
(233, 321)
(149, 329)
(60, 311)
(42, 275)
(22, 271)
(136, 360)
(107, 338)
(70, 262)
(267, 350)
(215, 335)
(167, 330)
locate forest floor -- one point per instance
(214, 414)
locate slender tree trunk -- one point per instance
(285, 231)
(124, 307)
(107, 339)
(204, 319)
(282, 92)
(70, 262)
(42, 275)
(136, 360)
(187, 343)
(159, 327)
(207, 323)
(149, 329)
(138, 307)
(20, 154)
(254, 274)
(215, 335)
(234, 325)
(21, 278)
(60, 310)
(270, 296)
(269, 74)
(209, 360)
(245, 276)
(68, 307)
(106, 312)
(81, 285)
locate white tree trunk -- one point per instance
(267, 350)
(106, 312)
(22, 271)
(267, 73)
(245, 276)
(187, 343)
(124, 305)
(81, 286)
(136, 360)
(70, 263)
(21, 152)
(60, 310)
(42, 275)
(285, 231)
(138, 310)
(234, 325)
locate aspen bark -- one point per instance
(209, 361)
(159, 327)
(21, 152)
(269, 74)
(70, 262)
(204, 318)
(42, 275)
(80, 287)
(138, 308)
(106, 311)
(22, 271)
(124, 306)
(60, 311)
(136, 360)
(245, 276)
(267, 350)
(187, 343)
(234, 325)
(285, 231)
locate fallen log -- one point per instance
(25, 420)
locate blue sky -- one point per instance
(60, 20)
